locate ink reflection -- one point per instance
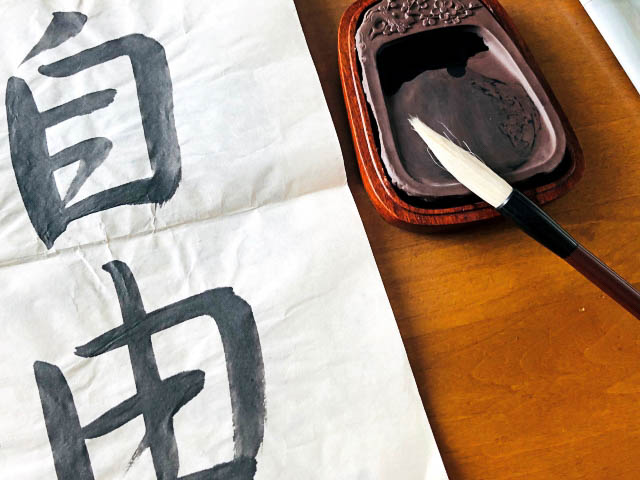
(34, 167)
(158, 400)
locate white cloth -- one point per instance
(619, 24)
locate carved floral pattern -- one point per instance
(398, 16)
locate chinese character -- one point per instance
(34, 167)
(157, 399)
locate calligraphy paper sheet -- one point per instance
(188, 291)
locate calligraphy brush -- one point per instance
(489, 186)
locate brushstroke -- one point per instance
(90, 154)
(32, 165)
(63, 26)
(157, 400)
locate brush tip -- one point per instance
(464, 166)
(415, 122)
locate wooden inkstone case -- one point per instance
(463, 69)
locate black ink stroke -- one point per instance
(63, 26)
(157, 400)
(34, 167)
(90, 154)
(63, 425)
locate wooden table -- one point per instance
(525, 369)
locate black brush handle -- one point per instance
(537, 224)
(609, 281)
(540, 226)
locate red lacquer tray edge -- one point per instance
(378, 186)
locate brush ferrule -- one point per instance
(537, 224)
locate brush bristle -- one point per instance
(465, 167)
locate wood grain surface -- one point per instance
(526, 370)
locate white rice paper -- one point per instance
(262, 207)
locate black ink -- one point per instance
(63, 426)
(63, 26)
(34, 167)
(90, 154)
(84, 105)
(157, 399)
